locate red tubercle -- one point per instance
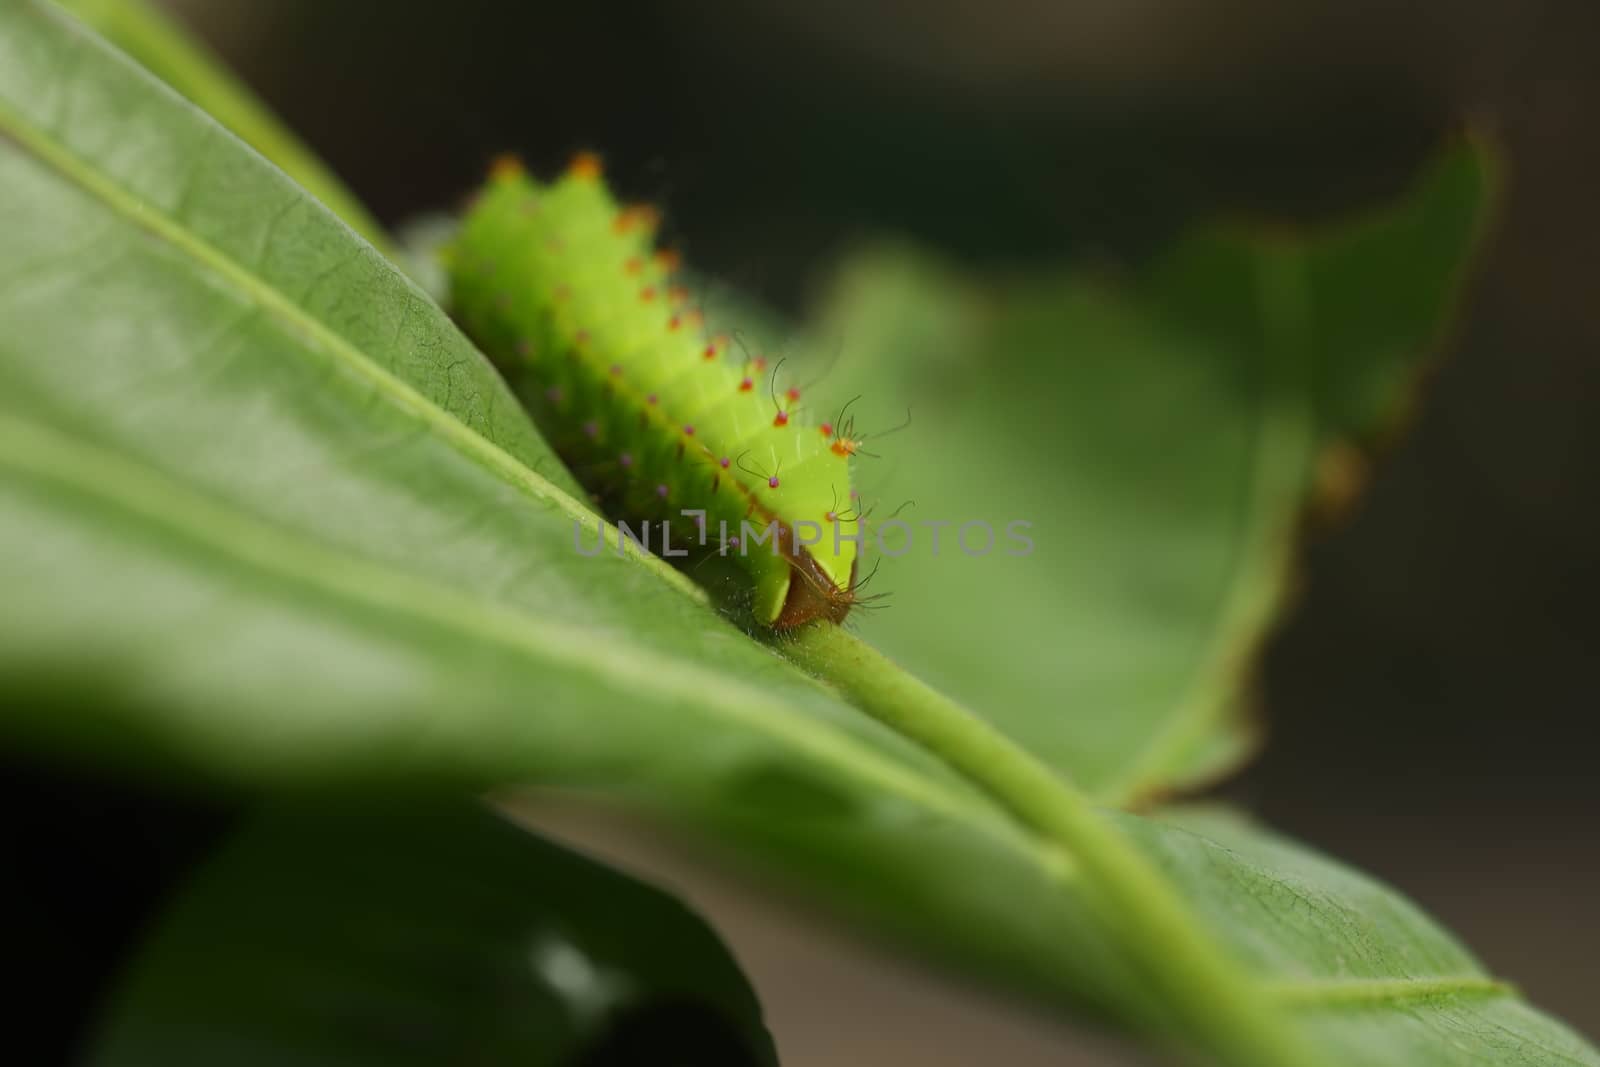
(585, 166)
(647, 294)
(506, 166)
(633, 265)
(781, 418)
(711, 351)
(724, 461)
(772, 482)
(827, 429)
(746, 384)
(668, 259)
(674, 322)
(688, 430)
(792, 393)
(634, 217)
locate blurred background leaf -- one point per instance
(178, 58)
(332, 932)
(1161, 432)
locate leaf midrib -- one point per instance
(1309, 994)
(47, 456)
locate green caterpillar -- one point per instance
(563, 289)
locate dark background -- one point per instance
(1429, 697)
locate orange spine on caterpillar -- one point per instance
(652, 409)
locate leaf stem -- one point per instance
(1203, 991)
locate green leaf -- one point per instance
(184, 63)
(1162, 431)
(1367, 974)
(1360, 971)
(265, 515)
(344, 934)
(204, 376)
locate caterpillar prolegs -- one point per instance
(654, 413)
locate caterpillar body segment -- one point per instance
(655, 413)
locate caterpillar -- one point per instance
(658, 416)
